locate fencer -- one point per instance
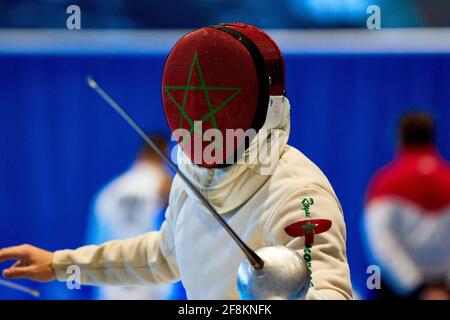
(217, 80)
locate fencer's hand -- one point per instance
(31, 263)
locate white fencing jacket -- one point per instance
(291, 204)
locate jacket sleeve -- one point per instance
(387, 250)
(147, 259)
(310, 221)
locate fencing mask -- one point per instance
(215, 89)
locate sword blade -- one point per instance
(19, 287)
(253, 258)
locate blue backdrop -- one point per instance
(59, 143)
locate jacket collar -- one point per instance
(230, 187)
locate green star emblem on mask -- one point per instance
(205, 90)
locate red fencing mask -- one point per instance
(218, 79)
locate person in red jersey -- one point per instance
(407, 216)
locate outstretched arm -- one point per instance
(149, 258)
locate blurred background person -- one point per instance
(407, 216)
(130, 205)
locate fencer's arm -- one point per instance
(326, 255)
(147, 259)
